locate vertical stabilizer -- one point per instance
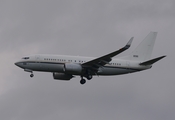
(144, 49)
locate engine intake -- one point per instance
(62, 76)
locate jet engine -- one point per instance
(62, 76)
(73, 68)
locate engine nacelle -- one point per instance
(62, 76)
(73, 68)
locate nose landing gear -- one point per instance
(31, 75)
(27, 70)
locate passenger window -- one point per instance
(25, 58)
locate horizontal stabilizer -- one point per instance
(150, 62)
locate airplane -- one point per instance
(66, 67)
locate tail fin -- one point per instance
(144, 49)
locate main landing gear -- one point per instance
(83, 81)
(89, 77)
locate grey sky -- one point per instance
(87, 28)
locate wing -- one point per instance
(95, 64)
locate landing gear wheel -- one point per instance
(31, 75)
(89, 77)
(82, 81)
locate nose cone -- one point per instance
(18, 64)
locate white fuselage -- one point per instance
(66, 67)
(55, 63)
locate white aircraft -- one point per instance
(66, 67)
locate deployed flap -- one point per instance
(101, 61)
(150, 62)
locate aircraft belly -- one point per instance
(46, 67)
(114, 71)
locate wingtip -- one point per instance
(129, 42)
(164, 56)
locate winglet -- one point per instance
(129, 43)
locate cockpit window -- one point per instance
(25, 58)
